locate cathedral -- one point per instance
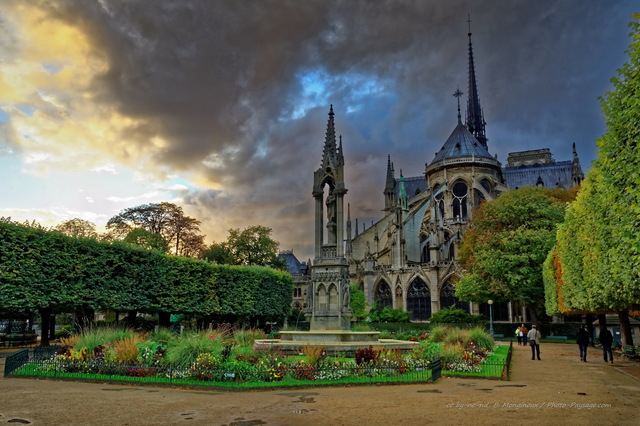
(407, 259)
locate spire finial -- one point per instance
(457, 95)
(475, 117)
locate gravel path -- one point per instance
(557, 389)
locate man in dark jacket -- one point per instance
(606, 339)
(582, 339)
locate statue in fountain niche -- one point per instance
(331, 217)
(331, 207)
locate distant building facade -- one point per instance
(301, 274)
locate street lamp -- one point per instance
(490, 302)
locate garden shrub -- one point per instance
(388, 314)
(185, 350)
(453, 315)
(367, 355)
(314, 354)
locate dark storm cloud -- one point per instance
(220, 81)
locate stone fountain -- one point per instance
(328, 297)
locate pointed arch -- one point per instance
(448, 298)
(321, 299)
(419, 300)
(333, 298)
(382, 295)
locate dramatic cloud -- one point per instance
(232, 96)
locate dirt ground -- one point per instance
(558, 389)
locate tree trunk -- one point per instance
(625, 328)
(45, 318)
(84, 317)
(589, 321)
(533, 316)
(131, 318)
(164, 319)
(52, 327)
(602, 319)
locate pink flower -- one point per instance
(212, 337)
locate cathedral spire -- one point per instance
(577, 176)
(329, 155)
(390, 186)
(475, 117)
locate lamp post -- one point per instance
(490, 302)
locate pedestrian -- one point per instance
(519, 336)
(525, 332)
(582, 339)
(606, 339)
(534, 341)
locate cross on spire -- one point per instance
(457, 95)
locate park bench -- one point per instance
(498, 335)
(18, 339)
(630, 352)
(556, 337)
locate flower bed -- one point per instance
(224, 359)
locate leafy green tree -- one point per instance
(251, 246)
(598, 253)
(358, 303)
(506, 244)
(147, 240)
(167, 219)
(78, 228)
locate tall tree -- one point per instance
(506, 244)
(147, 240)
(251, 246)
(167, 219)
(77, 228)
(598, 252)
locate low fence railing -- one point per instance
(24, 356)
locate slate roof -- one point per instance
(461, 143)
(294, 266)
(551, 175)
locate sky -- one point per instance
(221, 106)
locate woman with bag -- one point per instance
(534, 340)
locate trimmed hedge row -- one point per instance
(47, 270)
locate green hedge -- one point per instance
(48, 270)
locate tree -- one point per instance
(358, 303)
(506, 244)
(597, 265)
(78, 228)
(147, 240)
(181, 232)
(251, 246)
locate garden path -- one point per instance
(546, 392)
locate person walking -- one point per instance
(525, 331)
(519, 336)
(582, 339)
(534, 341)
(606, 339)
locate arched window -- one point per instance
(460, 200)
(440, 205)
(383, 296)
(448, 298)
(486, 185)
(419, 300)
